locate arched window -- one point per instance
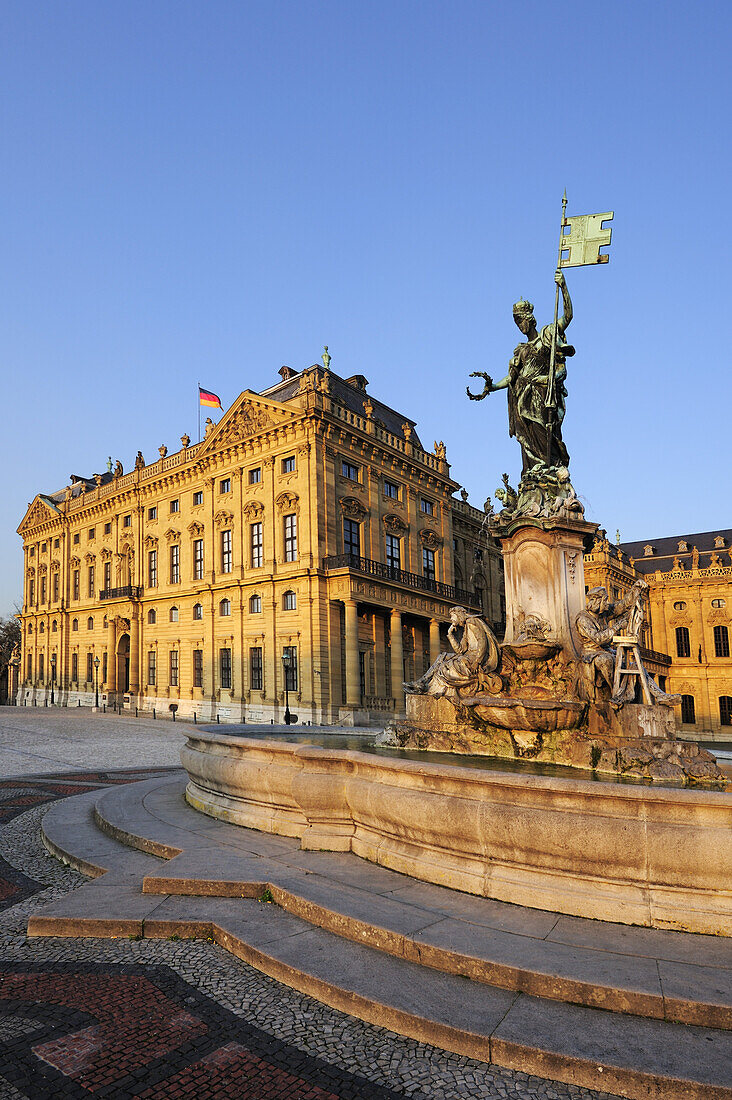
(54, 626)
(42, 628)
(174, 614)
(721, 641)
(725, 710)
(74, 624)
(679, 605)
(688, 710)
(719, 603)
(152, 616)
(225, 607)
(90, 623)
(197, 611)
(289, 601)
(683, 644)
(30, 630)
(255, 605)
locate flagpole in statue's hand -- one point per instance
(550, 402)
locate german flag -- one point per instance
(205, 397)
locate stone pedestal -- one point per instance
(545, 575)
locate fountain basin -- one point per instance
(655, 857)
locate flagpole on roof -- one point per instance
(199, 412)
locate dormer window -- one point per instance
(683, 546)
(649, 551)
(719, 542)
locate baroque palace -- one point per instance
(308, 542)
(687, 619)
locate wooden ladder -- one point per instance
(627, 649)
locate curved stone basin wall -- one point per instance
(631, 854)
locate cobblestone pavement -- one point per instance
(171, 1019)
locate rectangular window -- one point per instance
(173, 668)
(76, 539)
(291, 669)
(104, 667)
(225, 485)
(391, 490)
(393, 552)
(721, 641)
(152, 662)
(175, 506)
(257, 546)
(56, 545)
(198, 559)
(107, 528)
(225, 667)
(107, 575)
(30, 666)
(291, 538)
(198, 668)
(226, 557)
(43, 589)
(92, 533)
(428, 563)
(90, 591)
(256, 678)
(198, 497)
(152, 513)
(352, 538)
(55, 587)
(127, 521)
(255, 475)
(175, 564)
(725, 706)
(427, 506)
(90, 668)
(688, 710)
(152, 569)
(76, 585)
(31, 592)
(683, 643)
(289, 602)
(288, 465)
(349, 470)
(74, 668)
(40, 666)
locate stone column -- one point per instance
(135, 652)
(397, 661)
(112, 656)
(434, 640)
(353, 684)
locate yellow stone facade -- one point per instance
(688, 619)
(309, 523)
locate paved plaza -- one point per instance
(169, 1018)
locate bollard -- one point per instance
(154, 714)
(218, 723)
(195, 720)
(135, 712)
(79, 703)
(174, 716)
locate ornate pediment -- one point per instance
(224, 519)
(89, 559)
(395, 525)
(151, 542)
(106, 554)
(253, 509)
(430, 539)
(195, 528)
(172, 535)
(353, 509)
(39, 511)
(287, 501)
(249, 416)
(74, 562)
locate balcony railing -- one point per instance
(128, 592)
(654, 655)
(400, 576)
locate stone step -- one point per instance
(629, 1055)
(658, 974)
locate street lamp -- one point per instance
(97, 662)
(286, 666)
(53, 675)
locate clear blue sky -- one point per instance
(209, 190)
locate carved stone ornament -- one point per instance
(172, 535)
(75, 562)
(253, 509)
(195, 528)
(286, 501)
(395, 525)
(353, 509)
(223, 519)
(430, 539)
(42, 569)
(150, 541)
(248, 420)
(89, 559)
(54, 566)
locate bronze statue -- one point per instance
(536, 401)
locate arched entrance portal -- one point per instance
(123, 663)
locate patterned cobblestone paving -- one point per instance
(174, 1019)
